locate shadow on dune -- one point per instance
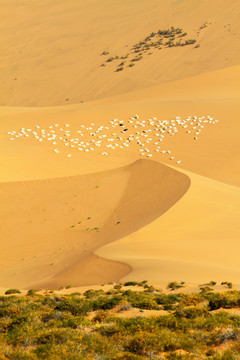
(152, 188)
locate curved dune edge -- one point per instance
(44, 245)
(94, 270)
(196, 241)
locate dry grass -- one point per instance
(54, 326)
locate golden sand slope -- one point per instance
(50, 50)
(195, 241)
(50, 56)
(214, 155)
(205, 216)
(50, 228)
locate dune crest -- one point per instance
(61, 222)
(195, 241)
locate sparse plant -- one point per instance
(119, 68)
(100, 316)
(174, 285)
(137, 58)
(205, 289)
(118, 286)
(31, 292)
(210, 283)
(12, 291)
(227, 283)
(130, 283)
(190, 42)
(110, 59)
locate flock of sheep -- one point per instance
(149, 135)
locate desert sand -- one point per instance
(85, 217)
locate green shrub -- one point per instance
(191, 313)
(100, 316)
(173, 285)
(226, 301)
(31, 292)
(205, 289)
(137, 345)
(74, 306)
(145, 303)
(106, 303)
(227, 283)
(149, 289)
(89, 294)
(110, 59)
(131, 283)
(54, 336)
(190, 42)
(210, 283)
(163, 299)
(12, 291)
(58, 327)
(137, 58)
(117, 287)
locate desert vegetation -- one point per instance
(94, 325)
(159, 40)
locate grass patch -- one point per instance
(59, 327)
(163, 38)
(12, 291)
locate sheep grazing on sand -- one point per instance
(152, 132)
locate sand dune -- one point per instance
(209, 207)
(50, 52)
(215, 155)
(88, 219)
(50, 228)
(52, 250)
(195, 241)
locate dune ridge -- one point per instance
(62, 221)
(177, 246)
